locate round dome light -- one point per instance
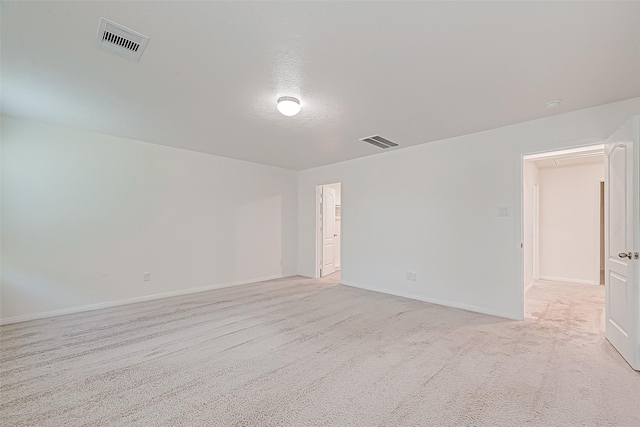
(288, 105)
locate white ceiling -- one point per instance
(412, 72)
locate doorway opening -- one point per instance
(579, 303)
(563, 236)
(328, 229)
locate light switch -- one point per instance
(503, 211)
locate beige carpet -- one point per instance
(303, 352)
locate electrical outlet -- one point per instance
(146, 276)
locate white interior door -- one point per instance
(621, 241)
(328, 230)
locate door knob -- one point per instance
(625, 255)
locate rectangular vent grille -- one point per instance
(379, 141)
(120, 40)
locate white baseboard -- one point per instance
(529, 286)
(564, 279)
(438, 301)
(98, 306)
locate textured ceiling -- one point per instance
(412, 72)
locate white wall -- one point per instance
(570, 222)
(85, 214)
(530, 175)
(432, 209)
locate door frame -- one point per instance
(602, 234)
(318, 231)
(544, 151)
(535, 265)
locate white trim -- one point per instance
(564, 279)
(438, 301)
(600, 194)
(530, 285)
(536, 232)
(576, 150)
(519, 279)
(318, 270)
(101, 305)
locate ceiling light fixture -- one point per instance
(288, 105)
(553, 105)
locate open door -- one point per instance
(621, 241)
(328, 206)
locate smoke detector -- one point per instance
(553, 105)
(120, 40)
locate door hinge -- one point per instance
(636, 255)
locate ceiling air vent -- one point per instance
(379, 141)
(120, 40)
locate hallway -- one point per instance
(567, 304)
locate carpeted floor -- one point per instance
(303, 352)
